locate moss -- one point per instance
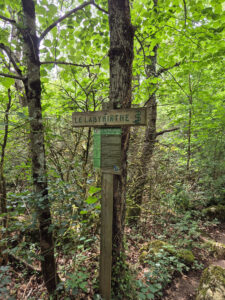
(215, 212)
(186, 255)
(143, 256)
(217, 249)
(154, 247)
(212, 284)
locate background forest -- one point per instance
(176, 166)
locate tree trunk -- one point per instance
(190, 99)
(3, 194)
(121, 58)
(140, 177)
(39, 174)
(3, 198)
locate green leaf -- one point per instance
(91, 200)
(48, 43)
(150, 296)
(94, 190)
(105, 63)
(7, 82)
(21, 115)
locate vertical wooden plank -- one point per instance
(106, 236)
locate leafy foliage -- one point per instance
(190, 45)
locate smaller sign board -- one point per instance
(107, 118)
(107, 149)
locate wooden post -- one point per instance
(107, 157)
(106, 236)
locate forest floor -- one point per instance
(183, 286)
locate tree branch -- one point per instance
(8, 20)
(167, 130)
(68, 63)
(12, 76)
(99, 8)
(185, 13)
(11, 58)
(48, 29)
(163, 70)
(178, 83)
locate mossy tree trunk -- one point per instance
(121, 58)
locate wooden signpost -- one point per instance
(110, 118)
(107, 157)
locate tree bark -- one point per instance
(39, 174)
(3, 194)
(190, 100)
(140, 177)
(121, 58)
(3, 198)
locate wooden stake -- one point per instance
(106, 236)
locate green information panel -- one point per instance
(107, 149)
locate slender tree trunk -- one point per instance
(140, 177)
(33, 95)
(3, 194)
(121, 58)
(190, 99)
(3, 198)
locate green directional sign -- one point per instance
(107, 149)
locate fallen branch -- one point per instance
(30, 281)
(26, 265)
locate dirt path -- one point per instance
(185, 287)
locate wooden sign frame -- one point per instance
(110, 118)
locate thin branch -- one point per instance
(8, 20)
(48, 29)
(12, 76)
(68, 63)
(163, 70)
(178, 83)
(139, 41)
(167, 130)
(184, 33)
(185, 13)
(11, 58)
(99, 8)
